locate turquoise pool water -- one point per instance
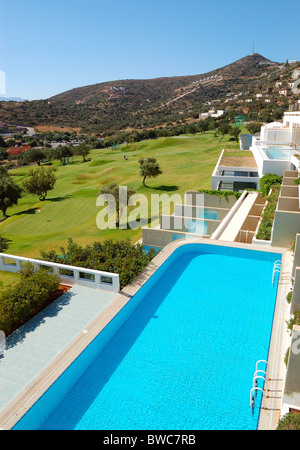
(180, 356)
(197, 227)
(147, 248)
(281, 153)
(208, 213)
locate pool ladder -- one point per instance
(259, 374)
(276, 268)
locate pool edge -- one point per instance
(21, 404)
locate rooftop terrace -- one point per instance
(237, 158)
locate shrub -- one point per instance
(120, 257)
(24, 299)
(268, 181)
(289, 297)
(265, 228)
(290, 421)
(295, 320)
(225, 194)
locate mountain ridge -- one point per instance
(108, 107)
(74, 93)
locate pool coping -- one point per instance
(20, 405)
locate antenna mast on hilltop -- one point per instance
(253, 48)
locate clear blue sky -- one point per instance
(50, 46)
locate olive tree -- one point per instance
(10, 193)
(40, 181)
(149, 167)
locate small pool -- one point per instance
(208, 213)
(147, 248)
(180, 355)
(279, 153)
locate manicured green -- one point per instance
(70, 210)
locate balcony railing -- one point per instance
(237, 173)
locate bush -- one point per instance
(24, 299)
(268, 181)
(265, 228)
(289, 297)
(295, 320)
(225, 194)
(4, 243)
(120, 257)
(290, 421)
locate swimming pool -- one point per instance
(208, 213)
(279, 153)
(147, 248)
(180, 355)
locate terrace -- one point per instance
(287, 214)
(235, 170)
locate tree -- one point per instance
(40, 181)
(149, 168)
(2, 143)
(9, 193)
(224, 128)
(114, 190)
(203, 126)
(81, 150)
(235, 132)
(34, 155)
(3, 154)
(63, 153)
(254, 127)
(4, 243)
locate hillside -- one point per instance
(108, 107)
(159, 90)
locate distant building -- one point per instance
(15, 151)
(283, 92)
(296, 74)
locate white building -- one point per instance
(283, 92)
(274, 151)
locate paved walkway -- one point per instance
(33, 346)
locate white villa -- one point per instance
(275, 150)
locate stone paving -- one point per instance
(31, 348)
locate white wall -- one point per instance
(275, 135)
(101, 280)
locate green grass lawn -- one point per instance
(70, 209)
